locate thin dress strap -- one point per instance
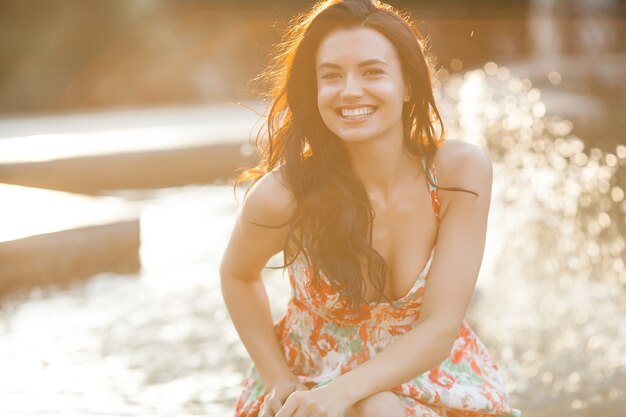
(432, 190)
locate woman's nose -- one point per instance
(351, 88)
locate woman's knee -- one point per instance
(383, 404)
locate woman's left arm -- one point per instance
(448, 292)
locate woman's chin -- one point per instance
(354, 138)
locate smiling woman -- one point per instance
(348, 191)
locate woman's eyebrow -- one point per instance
(360, 64)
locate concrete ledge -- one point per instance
(150, 148)
(68, 255)
(52, 237)
(155, 169)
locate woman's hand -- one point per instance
(276, 397)
(325, 401)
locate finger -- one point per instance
(290, 407)
(301, 412)
(265, 410)
(275, 405)
(278, 400)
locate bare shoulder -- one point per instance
(464, 165)
(260, 229)
(270, 201)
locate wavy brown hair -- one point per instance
(333, 214)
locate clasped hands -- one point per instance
(296, 400)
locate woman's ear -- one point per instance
(407, 93)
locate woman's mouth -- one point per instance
(359, 113)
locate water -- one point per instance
(157, 343)
(549, 302)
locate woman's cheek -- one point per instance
(324, 112)
(324, 93)
(385, 88)
(324, 103)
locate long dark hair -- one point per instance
(333, 212)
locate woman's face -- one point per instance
(360, 87)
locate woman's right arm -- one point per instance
(268, 202)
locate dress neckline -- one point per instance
(434, 198)
(420, 277)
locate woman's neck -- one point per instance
(383, 165)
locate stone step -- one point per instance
(52, 237)
(150, 148)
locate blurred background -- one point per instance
(122, 123)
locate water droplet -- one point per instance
(585, 201)
(491, 68)
(577, 145)
(604, 186)
(594, 228)
(611, 160)
(614, 392)
(559, 162)
(580, 159)
(508, 142)
(515, 85)
(617, 194)
(592, 249)
(526, 84)
(539, 110)
(554, 77)
(503, 73)
(456, 64)
(534, 95)
(574, 377)
(604, 220)
(595, 154)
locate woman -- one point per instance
(348, 184)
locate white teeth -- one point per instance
(360, 112)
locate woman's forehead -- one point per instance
(355, 46)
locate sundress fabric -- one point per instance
(322, 338)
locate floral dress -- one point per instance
(321, 341)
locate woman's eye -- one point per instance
(374, 71)
(329, 75)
